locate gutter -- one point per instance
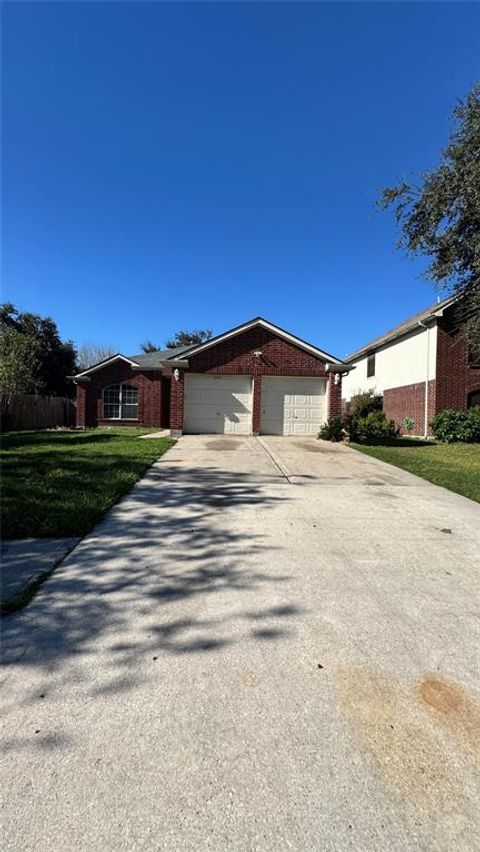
(180, 363)
(339, 368)
(427, 368)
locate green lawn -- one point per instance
(455, 466)
(60, 483)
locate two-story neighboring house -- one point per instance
(421, 367)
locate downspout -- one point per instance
(427, 327)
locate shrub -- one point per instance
(452, 425)
(471, 427)
(362, 403)
(408, 424)
(332, 430)
(373, 428)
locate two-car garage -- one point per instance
(223, 404)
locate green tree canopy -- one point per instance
(440, 216)
(189, 338)
(18, 366)
(148, 346)
(55, 358)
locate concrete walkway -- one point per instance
(268, 645)
(25, 563)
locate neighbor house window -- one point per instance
(120, 402)
(474, 355)
(474, 399)
(371, 365)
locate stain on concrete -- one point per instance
(250, 679)
(406, 752)
(224, 445)
(455, 709)
(308, 447)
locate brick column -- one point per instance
(177, 391)
(81, 405)
(334, 404)
(257, 403)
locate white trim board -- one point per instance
(105, 363)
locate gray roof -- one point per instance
(401, 329)
(152, 360)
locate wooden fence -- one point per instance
(28, 411)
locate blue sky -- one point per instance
(186, 165)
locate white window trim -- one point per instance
(120, 401)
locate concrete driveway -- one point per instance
(270, 644)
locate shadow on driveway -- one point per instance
(133, 589)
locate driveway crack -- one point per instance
(281, 467)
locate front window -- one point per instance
(120, 402)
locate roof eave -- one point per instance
(297, 341)
(101, 364)
(378, 343)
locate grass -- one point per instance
(455, 466)
(60, 483)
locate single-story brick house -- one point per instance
(256, 378)
(421, 367)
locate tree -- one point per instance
(56, 358)
(18, 367)
(148, 346)
(441, 216)
(92, 353)
(189, 338)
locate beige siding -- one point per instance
(402, 362)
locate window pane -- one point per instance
(474, 356)
(129, 411)
(112, 394)
(129, 395)
(129, 402)
(111, 402)
(371, 365)
(111, 411)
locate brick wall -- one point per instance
(235, 356)
(176, 403)
(89, 396)
(409, 401)
(455, 378)
(334, 396)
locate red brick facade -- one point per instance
(89, 395)
(234, 356)
(409, 401)
(456, 379)
(334, 396)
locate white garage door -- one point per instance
(293, 406)
(218, 404)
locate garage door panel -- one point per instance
(293, 406)
(218, 404)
